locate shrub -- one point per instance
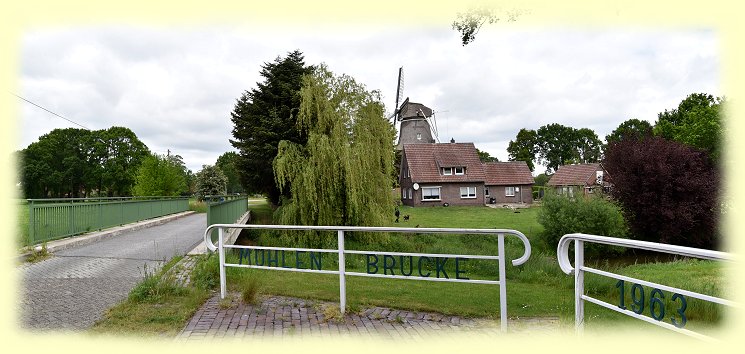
(593, 215)
(669, 191)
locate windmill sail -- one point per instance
(399, 93)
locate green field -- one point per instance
(535, 289)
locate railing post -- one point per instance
(221, 253)
(502, 284)
(579, 286)
(31, 223)
(342, 281)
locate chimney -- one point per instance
(452, 141)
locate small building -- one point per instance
(579, 179)
(508, 182)
(452, 174)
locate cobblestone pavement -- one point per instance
(72, 290)
(277, 317)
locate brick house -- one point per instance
(587, 178)
(452, 174)
(508, 182)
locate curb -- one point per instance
(91, 237)
(230, 239)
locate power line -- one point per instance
(78, 124)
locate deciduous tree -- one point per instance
(210, 181)
(524, 147)
(342, 175)
(669, 191)
(556, 145)
(630, 129)
(159, 175)
(227, 164)
(485, 157)
(696, 122)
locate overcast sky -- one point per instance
(176, 86)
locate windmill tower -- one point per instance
(415, 121)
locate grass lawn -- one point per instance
(535, 289)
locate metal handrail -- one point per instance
(340, 250)
(515, 262)
(562, 252)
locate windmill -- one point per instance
(415, 121)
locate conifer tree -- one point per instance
(264, 116)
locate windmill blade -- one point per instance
(399, 92)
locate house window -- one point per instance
(459, 170)
(568, 191)
(418, 136)
(447, 171)
(486, 191)
(509, 191)
(430, 193)
(468, 192)
(403, 193)
(410, 193)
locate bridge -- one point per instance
(89, 274)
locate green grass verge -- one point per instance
(22, 223)
(156, 307)
(197, 206)
(537, 288)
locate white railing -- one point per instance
(341, 251)
(656, 305)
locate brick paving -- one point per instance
(278, 317)
(72, 289)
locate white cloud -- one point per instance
(175, 87)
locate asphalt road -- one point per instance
(73, 289)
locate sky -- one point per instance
(175, 86)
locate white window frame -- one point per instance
(403, 193)
(462, 171)
(418, 136)
(410, 194)
(467, 194)
(439, 194)
(509, 191)
(447, 171)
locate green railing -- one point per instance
(225, 210)
(51, 219)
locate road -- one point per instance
(72, 289)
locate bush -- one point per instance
(670, 191)
(593, 215)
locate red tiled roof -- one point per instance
(425, 160)
(507, 173)
(574, 175)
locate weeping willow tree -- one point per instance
(342, 175)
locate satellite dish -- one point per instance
(416, 186)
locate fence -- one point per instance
(439, 259)
(51, 219)
(656, 304)
(225, 209)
